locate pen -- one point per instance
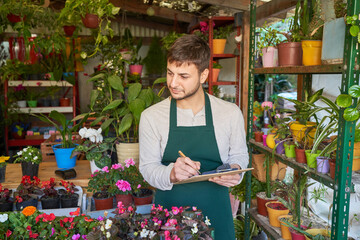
(183, 155)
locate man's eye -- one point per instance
(184, 77)
(170, 73)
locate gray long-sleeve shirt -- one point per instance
(154, 131)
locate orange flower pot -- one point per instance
(275, 209)
(219, 46)
(285, 232)
(215, 74)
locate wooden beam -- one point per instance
(147, 24)
(245, 67)
(273, 8)
(162, 12)
(243, 5)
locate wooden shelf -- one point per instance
(39, 83)
(322, 178)
(331, 69)
(263, 222)
(46, 109)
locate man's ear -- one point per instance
(204, 75)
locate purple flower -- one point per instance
(75, 237)
(100, 218)
(83, 237)
(52, 231)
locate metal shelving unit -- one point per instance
(342, 182)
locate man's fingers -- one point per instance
(193, 164)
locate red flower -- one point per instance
(38, 83)
(8, 233)
(88, 219)
(85, 74)
(19, 199)
(28, 228)
(33, 235)
(76, 213)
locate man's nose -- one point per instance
(174, 80)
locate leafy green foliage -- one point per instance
(269, 37)
(223, 32)
(239, 190)
(239, 225)
(353, 21)
(169, 39)
(351, 112)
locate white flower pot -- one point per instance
(126, 151)
(93, 167)
(21, 103)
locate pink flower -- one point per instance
(194, 209)
(52, 231)
(75, 237)
(176, 238)
(277, 115)
(84, 237)
(117, 166)
(105, 169)
(267, 105)
(130, 209)
(175, 210)
(100, 218)
(171, 222)
(123, 185)
(138, 186)
(129, 162)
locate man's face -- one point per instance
(184, 81)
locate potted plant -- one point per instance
(136, 63)
(3, 167)
(66, 129)
(97, 150)
(220, 35)
(27, 192)
(30, 158)
(68, 197)
(51, 198)
(70, 22)
(19, 96)
(32, 98)
(267, 46)
(6, 202)
(216, 70)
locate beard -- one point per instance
(187, 95)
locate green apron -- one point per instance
(199, 144)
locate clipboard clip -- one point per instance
(222, 168)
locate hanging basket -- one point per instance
(69, 30)
(91, 21)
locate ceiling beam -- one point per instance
(243, 5)
(273, 8)
(162, 12)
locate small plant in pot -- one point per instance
(267, 46)
(27, 192)
(68, 197)
(51, 198)
(30, 158)
(3, 164)
(6, 202)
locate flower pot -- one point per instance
(219, 46)
(356, 157)
(322, 164)
(91, 21)
(285, 232)
(270, 140)
(93, 167)
(264, 140)
(275, 209)
(31, 202)
(279, 146)
(136, 69)
(315, 231)
(69, 201)
(69, 30)
(15, 18)
(311, 52)
(144, 197)
(29, 169)
(261, 200)
(64, 102)
(50, 203)
(311, 158)
(127, 150)
(258, 136)
(290, 54)
(126, 199)
(300, 155)
(297, 236)
(270, 57)
(298, 131)
(21, 104)
(215, 74)
(126, 54)
(55, 102)
(277, 170)
(62, 156)
(332, 163)
(104, 203)
(7, 206)
(289, 150)
(32, 103)
(2, 173)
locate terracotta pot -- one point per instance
(300, 155)
(290, 54)
(275, 209)
(104, 203)
(258, 136)
(91, 21)
(69, 30)
(215, 74)
(64, 102)
(146, 199)
(261, 203)
(332, 163)
(125, 199)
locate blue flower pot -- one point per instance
(62, 156)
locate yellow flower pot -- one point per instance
(275, 213)
(311, 52)
(356, 157)
(270, 140)
(285, 232)
(315, 231)
(219, 46)
(298, 131)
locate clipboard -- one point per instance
(199, 178)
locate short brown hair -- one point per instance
(190, 49)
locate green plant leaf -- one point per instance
(354, 91)
(58, 117)
(78, 117)
(344, 100)
(160, 80)
(125, 123)
(106, 123)
(351, 114)
(116, 83)
(137, 107)
(93, 96)
(354, 30)
(100, 75)
(113, 105)
(134, 91)
(96, 121)
(147, 95)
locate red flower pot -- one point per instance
(125, 199)
(258, 136)
(297, 236)
(332, 168)
(261, 204)
(91, 21)
(64, 102)
(300, 155)
(103, 203)
(69, 30)
(145, 197)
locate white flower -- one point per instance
(3, 217)
(20, 153)
(108, 235)
(36, 158)
(92, 134)
(152, 234)
(194, 230)
(207, 221)
(108, 224)
(144, 233)
(82, 132)
(102, 228)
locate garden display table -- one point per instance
(46, 171)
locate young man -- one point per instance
(208, 130)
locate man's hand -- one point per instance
(227, 180)
(184, 168)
